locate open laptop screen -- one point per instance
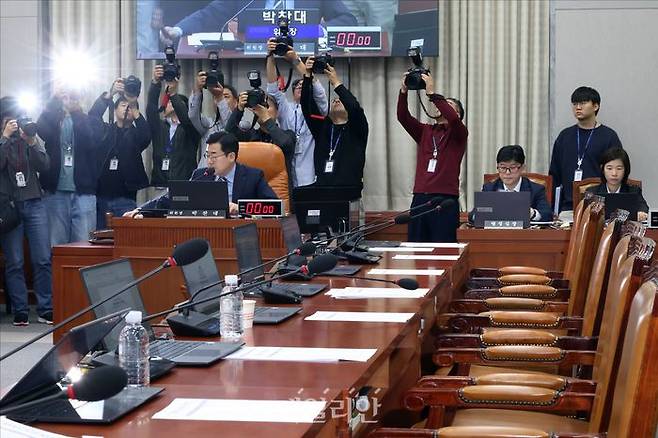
(291, 234)
(61, 358)
(200, 274)
(247, 249)
(103, 280)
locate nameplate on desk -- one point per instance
(198, 214)
(503, 225)
(653, 219)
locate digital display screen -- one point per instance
(355, 38)
(261, 208)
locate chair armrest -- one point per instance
(507, 303)
(471, 323)
(540, 380)
(516, 337)
(539, 292)
(475, 432)
(497, 272)
(507, 280)
(512, 355)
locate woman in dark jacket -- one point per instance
(615, 170)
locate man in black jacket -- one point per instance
(268, 130)
(121, 145)
(70, 182)
(341, 138)
(175, 139)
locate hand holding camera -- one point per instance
(214, 76)
(158, 72)
(322, 62)
(255, 96)
(117, 87)
(261, 112)
(414, 79)
(429, 82)
(242, 100)
(10, 128)
(283, 41)
(310, 62)
(403, 85)
(330, 71)
(200, 82)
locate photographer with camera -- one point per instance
(70, 182)
(265, 110)
(175, 139)
(340, 138)
(441, 147)
(120, 147)
(290, 113)
(23, 212)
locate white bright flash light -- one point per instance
(27, 101)
(73, 69)
(74, 374)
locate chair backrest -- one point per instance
(571, 249)
(634, 411)
(270, 159)
(539, 178)
(621, 289)
(580, 187)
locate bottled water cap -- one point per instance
(134, 317)
(231, 280)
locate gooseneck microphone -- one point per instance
(97, 384)
(404, 283)
(321, 263)
(183, 254)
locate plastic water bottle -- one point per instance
(134, 350)
(230, 310)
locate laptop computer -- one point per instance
(247, 248)
(293, 239)
(102, 280)
(203, 272)
(44, 378)
(624, 201)
(199, 196)
(507, 210)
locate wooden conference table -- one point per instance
(393, 369)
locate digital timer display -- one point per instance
(260, 207)
(355, 37)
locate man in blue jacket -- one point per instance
(243, 182)
(70, 182)
(511, 166)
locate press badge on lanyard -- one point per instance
(431, 165)
(20, 179)
(578, 174)
(329, 164)
(68, 160)
(114, 163)
(165, 164)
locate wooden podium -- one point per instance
(147, 243)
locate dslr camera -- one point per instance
(132, 86)
(171, 69)
(214, 76)
(255, 96)
(283, 41)
(414, 80)
(27, 125)
(321, 62)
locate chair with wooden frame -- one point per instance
(621, 407)
(538, 178)
(580, 187)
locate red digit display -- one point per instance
(351, 36)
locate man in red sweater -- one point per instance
(441, 147)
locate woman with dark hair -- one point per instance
(615, 169)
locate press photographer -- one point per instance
(23, 212)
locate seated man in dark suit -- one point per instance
(615, 168)
(243, 182)
(511, 165)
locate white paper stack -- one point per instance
(359, 316)
(376, 292)
(425, 257)
(436, 272)
(401, 249)
(434, 244)
(302, 354)
(12, 429)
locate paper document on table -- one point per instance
(270, 411)
(434, 244)
(399, 249)
(359, 316)
(301, 354)
(376, 292)
(196, 38)
(12, 429)
(406, 271)
(425, 257)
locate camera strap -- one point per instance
(422, 104)
(279, 76)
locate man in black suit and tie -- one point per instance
(511, 165)
(243, 182)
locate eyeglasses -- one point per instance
(510, 169)
(212, 156)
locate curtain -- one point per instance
(493, 56)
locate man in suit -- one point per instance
(243, 182)
(511, 166)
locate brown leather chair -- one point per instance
(580, 187)
(539, 178)
(270, 159)
(622, 407)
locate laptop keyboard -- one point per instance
(51, 409)
(172, 349)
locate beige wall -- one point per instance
(613, 47)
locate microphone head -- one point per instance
(407, 283)
(99, 384)
(402, 219)
(209, 171)
(306, 249)
(322, 263)
(446, 203)
(189, 252)
(296, 260)
(435, 201)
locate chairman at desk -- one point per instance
(243, 182)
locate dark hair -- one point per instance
(295, 83)
(512, 152)
(227, 142)
(233, 91)
(272, 101)
(459, 105)
(586, 94)
(615, 153)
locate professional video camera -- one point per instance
(414, 80)
(321, 62)
(283, 41)
(171, 69)
(214, 76)
(255, 96)
(132, 86)
(27, 125)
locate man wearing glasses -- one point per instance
(243, 182)
(511, 166)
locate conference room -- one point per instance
(350, 218)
